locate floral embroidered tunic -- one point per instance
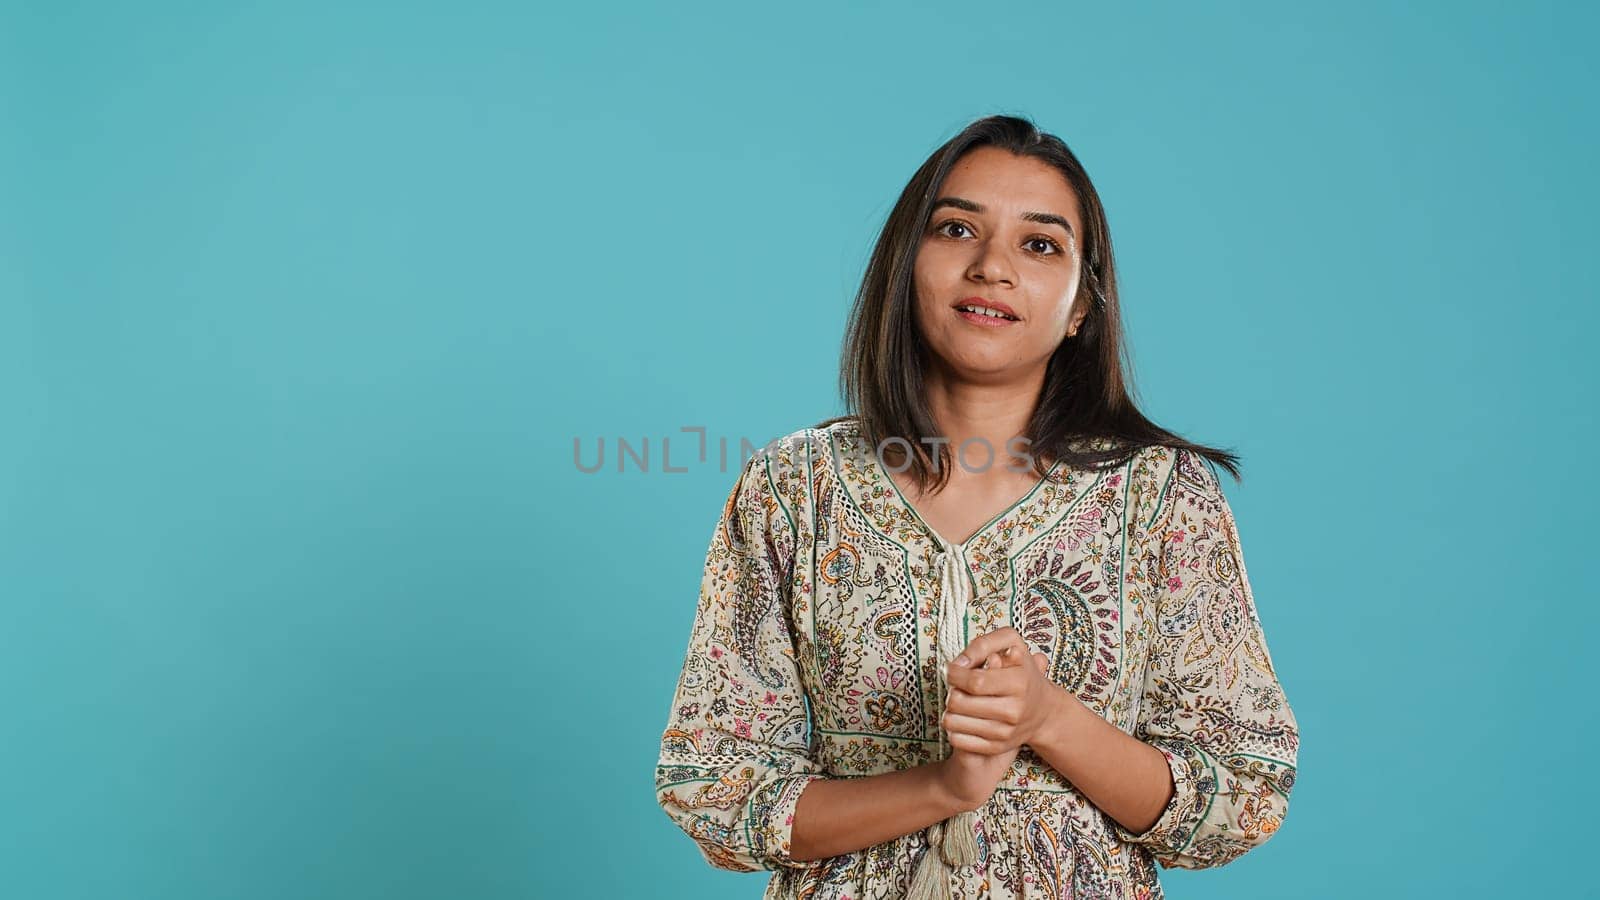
(814, 653)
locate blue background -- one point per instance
(302, 307)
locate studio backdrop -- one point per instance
(312, 318)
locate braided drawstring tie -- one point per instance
(952, 842)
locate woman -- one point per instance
(991, 635)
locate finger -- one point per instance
(996, 641)
(1007, 657)
(978, 745)
(987, 729)
(990, 682)
(1005, 710)
(1043, 662)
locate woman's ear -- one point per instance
(1080, 311)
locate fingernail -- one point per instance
(962, 661)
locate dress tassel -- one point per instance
(960, 839)
(931, 881)
(952, 842)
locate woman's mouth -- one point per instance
(984, 316)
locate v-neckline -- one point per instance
(940, 540)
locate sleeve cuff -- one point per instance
(1192, 783)
(771, 821)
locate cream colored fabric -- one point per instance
(827, 612)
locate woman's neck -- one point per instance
(987, 419)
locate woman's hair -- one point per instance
(1084, 417)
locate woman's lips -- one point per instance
(986, 303)
(984, 321)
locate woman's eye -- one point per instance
(1041, 245)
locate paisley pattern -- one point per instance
(813, 655)
(1056, 619)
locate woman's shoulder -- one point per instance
(835, 428)
(1156, 471)
(1169, 476)
(787, 467)
(803, 449)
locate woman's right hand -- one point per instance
(971, 778)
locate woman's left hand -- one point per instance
(992, 710)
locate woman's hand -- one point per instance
(971, 777)
(996, 710)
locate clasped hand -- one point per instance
(997, 701)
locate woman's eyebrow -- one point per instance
(1042, 217)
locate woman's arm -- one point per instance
(836, 816)
(1211, 708)
(1127, 778)
(1212, 705)
(735, 753)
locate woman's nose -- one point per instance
(992, 265)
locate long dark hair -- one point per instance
(1084, 416)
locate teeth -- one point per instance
(985, 312)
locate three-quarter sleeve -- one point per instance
(1212, 703)
(734, 755)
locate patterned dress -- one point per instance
(814, 653)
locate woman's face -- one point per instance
(1004, 231)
